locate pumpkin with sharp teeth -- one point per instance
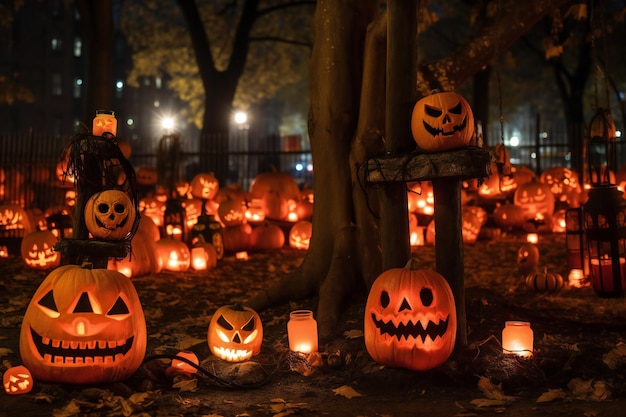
(235, 333)
(442, 121)
(110, 215)
(410, 319)
(83, 326)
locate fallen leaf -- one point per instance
(615, 357)
(486, 402)
(491, 391)
(551, 395)
(187, 343)
(346, 391)
(186, 385)
(353, 334)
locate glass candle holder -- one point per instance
(104, 121)
(302, 331)
(517, 338)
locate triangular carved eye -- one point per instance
(83, 305)
(432, 111)
(249, 326)
(118, 308)
(458, 109)
(47, 301)
(224, 323)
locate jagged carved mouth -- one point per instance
(411, 330)
(104, 226)
(80, 353)
(435, 132)
(233, 355)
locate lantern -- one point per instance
(235, 333)
(104, 122)
(83, 326)
(302, 332)
(532, 238)
(575, 240)
(37, 249)
(17, 380)
(174, 219)
(242, 255)
(410, 318)
(517, 338)
(604, 213)
(209, 230)
(442, 121)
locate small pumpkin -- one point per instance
(174, 255)
(267, 236)
(442, 121)
(544, 281)
(235, 333)
(110, 215)
(410, 319)
(527, 258)
(83, 326)
(37, 249)
(17, 380)
(300, 235)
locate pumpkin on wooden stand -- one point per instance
(442, 121)
(410, 319)
(83, 326)
(110, 215)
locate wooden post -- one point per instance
(449, 245)
(401, 93)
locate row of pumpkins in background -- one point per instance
(522, 201)
(248, 222)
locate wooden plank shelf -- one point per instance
(446, 170)
(465, 163)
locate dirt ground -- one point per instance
(578, 367)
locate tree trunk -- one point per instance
(347, 127)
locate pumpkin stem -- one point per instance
(412, 264)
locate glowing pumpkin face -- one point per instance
(235, 333)
(14, 217)
(17, 380)
(442, 121)
(83, 326)
(204, 186)
(410, 319)
(174, 255)
(561, 180)
(300, 235)
(37, 249)
(232, 212)
(527, 258)
(110, 215)
(534, 198)
(153, 208)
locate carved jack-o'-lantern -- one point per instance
(17, 380)
(14, 217)
(235, 333)
(300, 235)
(147, 176)
(37, 249)
(563, 182)
(83, 326)
(232, 212)
(153, 208)
(110, 214)
(527, 258)
(410, 319)
(508, 216)
(473, 219)
(442, 121)
(204, 186)
(534, 198)
(174, 254)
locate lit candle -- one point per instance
(302, 331)
(198, 259)
(517, 338)
(242, 256)
(602, 273)
(532, 238)
(184, 366)
(576, 278)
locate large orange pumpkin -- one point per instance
(410, 319)
(442, 121)
(83, 326)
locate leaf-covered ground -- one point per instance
(578, 366)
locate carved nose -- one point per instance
(405, 305)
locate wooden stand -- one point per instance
(446, 170)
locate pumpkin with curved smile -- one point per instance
(410, 319)
(83, 326)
